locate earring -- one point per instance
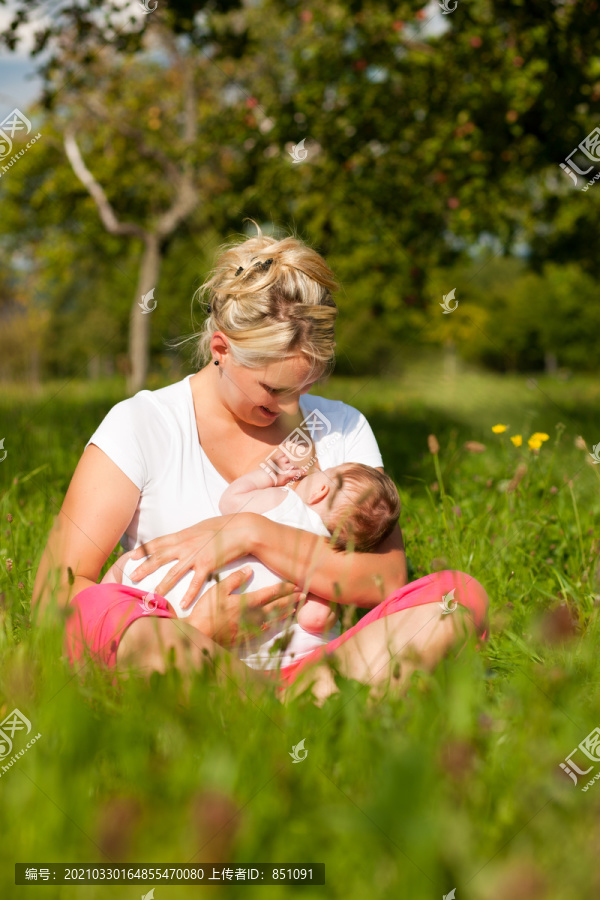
(216, 362)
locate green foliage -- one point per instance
(455, 784)
(420, 148)
(511, 318)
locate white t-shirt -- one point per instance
(153, 438)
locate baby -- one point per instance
(354, 504)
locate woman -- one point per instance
(155, 469)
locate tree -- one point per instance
(179, 174)
(110, 86)
(415, 145)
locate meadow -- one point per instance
(454, 785)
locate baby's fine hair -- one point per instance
(270, 298)
(370, 512)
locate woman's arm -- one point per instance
(97, 508)
(359, 579)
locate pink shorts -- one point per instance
(102, 612)
(430, 589)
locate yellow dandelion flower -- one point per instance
(534, 443)
(540, 436)
(498, 429)
(517, 440)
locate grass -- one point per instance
(454, 785)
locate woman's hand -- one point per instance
(203, 548)
(221, 615)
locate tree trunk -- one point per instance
(139, 320)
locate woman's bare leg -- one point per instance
(386, 652)
(152, 644)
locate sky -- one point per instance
(19, 85)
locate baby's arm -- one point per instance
(259, 490)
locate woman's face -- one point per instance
(268, 394)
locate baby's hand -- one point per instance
(289, 472)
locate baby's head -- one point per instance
(358, 504)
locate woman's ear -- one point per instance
(219, 345)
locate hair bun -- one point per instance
(269, 312)
(264, 266)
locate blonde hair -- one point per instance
(271, 310)
(369, 508)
